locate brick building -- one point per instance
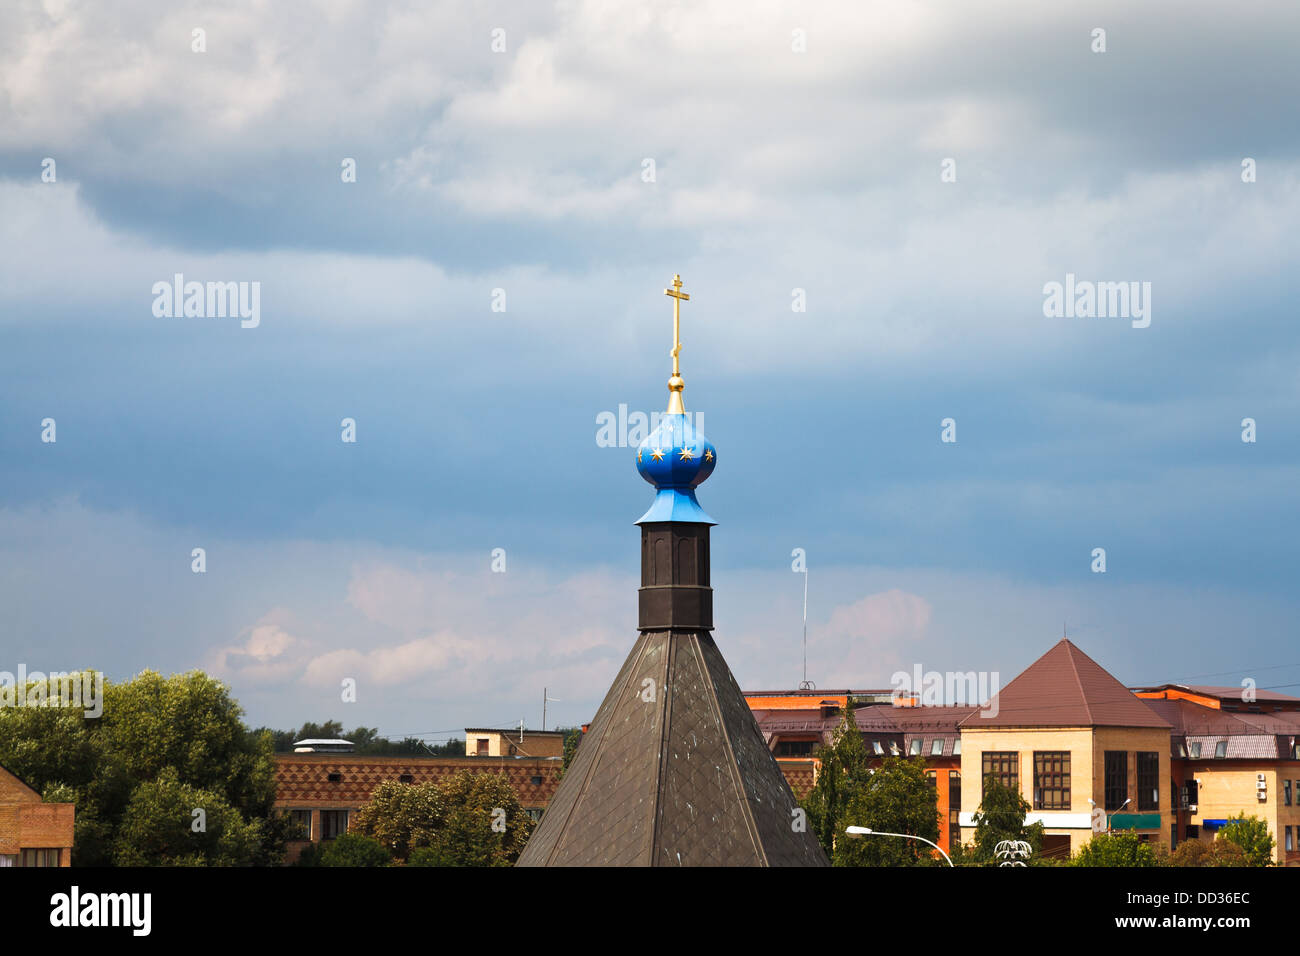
(322, 790)
(1168, 762)
(32, 833)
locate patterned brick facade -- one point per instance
(319, 782)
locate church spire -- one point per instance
(674, 770)
(676, 457)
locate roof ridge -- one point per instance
(732, 763)
(591, 768)
(1078, 682)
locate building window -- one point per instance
(1193, 831)
(1286, 793)
(333, 823)
(1051, 780)
(1182, 749)
(1221, 749)
(8, 860)
(40, 858)
(1148, 769)
(1196, 749)
(956, 747)
(482, 746)
(1289, 846)
(535, 781)
(936, 748)
(301, 819)
(1002, 766)
(954, 808)
(795, 748)
(1116, 762)
(877, 747)
(916, 747)
(334, 778)
(405, 778)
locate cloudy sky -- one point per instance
(575, 155)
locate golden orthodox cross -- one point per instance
(678, 297)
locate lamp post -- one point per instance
(867, 831)
(1108, 816)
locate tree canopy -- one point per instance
(1001, 817)
(472, 818)
(162, 748)
(1251, 834)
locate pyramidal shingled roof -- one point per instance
(673, 772)
(1065, 688)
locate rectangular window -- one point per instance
(40, 858)
(1051, 780)
(956, 747)
(1286, 793)
(794, 748)
(1002, 766)
(301, 819)
(877, 747)
(1193, 792)
(936, 748)
(482, 743)
(1148, 771)
(1221, 749)
(916, 747)
(954, 790)
(333, 823)
(8, 860)
(1289, 846)
(1196, 749)
(1116, 763)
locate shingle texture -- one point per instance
(673, 772)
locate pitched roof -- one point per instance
(1065, 688)
(673, 772)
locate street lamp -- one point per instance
(1108, 816)
(867, 831)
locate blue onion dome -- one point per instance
(676, 458)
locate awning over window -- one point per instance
(1135, 821)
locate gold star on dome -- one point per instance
(657, 454)
(708, 455)
(686, 454)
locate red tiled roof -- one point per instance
(1066, 688)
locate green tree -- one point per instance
(401, 816)
(572, 738)
(187, 723)
(160, 828)
(1000, 817)
(1251, 834)
(897, 798)
(1201, 853)
(353, 849)
(472, 818)
(844, 772)
(1115, 849)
